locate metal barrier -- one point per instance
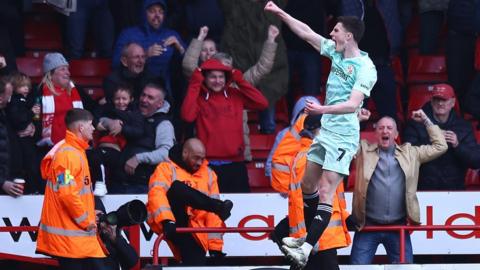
(134, 237)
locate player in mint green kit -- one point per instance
(351, 79)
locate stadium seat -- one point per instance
(477, 135)
(45, 36)
(400, 111)
(413, 32)
(472, 179)
(398, 70)
(423, 69)
(32, 67)
(256, 178)
(369, 136)
(89, 72)
(261, 145)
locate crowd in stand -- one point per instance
(147, 106)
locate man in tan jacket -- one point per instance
(386, 186)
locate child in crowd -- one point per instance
(24, 116)
(118, 122)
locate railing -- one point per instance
(134, 235)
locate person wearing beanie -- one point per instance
(58, 95)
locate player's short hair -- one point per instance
(353, 25)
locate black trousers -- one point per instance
(82, 264)
(232, 177)
(179, 196)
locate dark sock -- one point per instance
(310, 202)
(319, 223)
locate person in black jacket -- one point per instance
(6, 158)
(121, 253)
(448, 171)
(131, 71)
(21, 111)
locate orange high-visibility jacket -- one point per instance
(204, 180)
(282, 157)
(68, 204)
(336, 234)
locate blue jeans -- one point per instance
(365, 245)
(98, 14)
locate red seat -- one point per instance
(89, 72)
(413, 32)
(261, 144)
(477, 135)
(472, 179)
(45, 36)
(398, 70)
(32, 67)
(369, 136)
(423, 69)
(256, 178)
(418, 95)
(398, 100)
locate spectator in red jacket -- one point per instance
(216, 108)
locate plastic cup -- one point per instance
(20, 181)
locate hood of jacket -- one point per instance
(299, 106)
(214, 64)
(146, 5)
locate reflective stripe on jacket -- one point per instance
(336, 234)
(205, 181)
(282, 157)
(68, 206)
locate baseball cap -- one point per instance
(443, 91)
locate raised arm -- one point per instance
(439, 145)
(348, 106)
(192, 54)
(299, 28)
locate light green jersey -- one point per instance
(346, 74)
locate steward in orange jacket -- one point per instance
(282, 157)
(287, 144)
(336, 235)
(183, 192)
(67, 228)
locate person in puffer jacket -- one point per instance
(216, 108)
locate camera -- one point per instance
(131, 213)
